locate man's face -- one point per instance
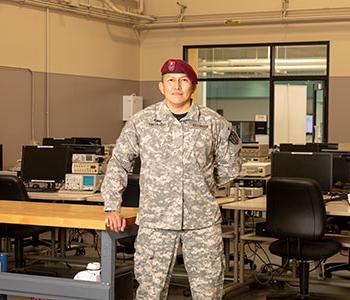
(177, 88)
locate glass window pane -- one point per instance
(239, 102)
(300, 60)
(231, 62)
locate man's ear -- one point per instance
(161, 87)
(194, 87)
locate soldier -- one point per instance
(186, 151)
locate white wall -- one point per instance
(46, 40)
(196, 7)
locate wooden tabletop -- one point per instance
(59, 196)
(333, 208)
(224, 200)
(58, 214)
(257, 204)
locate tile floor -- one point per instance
(177, 293)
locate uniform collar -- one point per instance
(163, 113)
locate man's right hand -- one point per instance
(115, 221)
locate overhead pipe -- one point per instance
(137, 20)
(85, 10)
(126, 13)
(242, 22)
(341, 14)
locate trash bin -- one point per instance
(3, 268)
(92, 272)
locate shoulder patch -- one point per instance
(233, 138)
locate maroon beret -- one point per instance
(179, 66)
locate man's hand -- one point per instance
(115, 221)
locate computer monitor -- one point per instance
(341, 169)
(87, 149)
(315, 165)
(47, 164)
(56, 141)
(73, 140)
(308, 147)
(86, 140)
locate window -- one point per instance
(239, 82)
(300, 60)
(233, 62)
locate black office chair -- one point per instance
(12, 188)
(131, 196)
(296, 216)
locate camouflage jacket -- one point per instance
(182, 163)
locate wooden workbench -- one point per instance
(58, 214)
(67, 216)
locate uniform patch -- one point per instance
(233, 138)
(171, 66)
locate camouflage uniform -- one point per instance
(182, 163)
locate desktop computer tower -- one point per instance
(123, 286)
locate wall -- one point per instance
(71, 70)
(158, 45)
(74, 70)
(205, 7)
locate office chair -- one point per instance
(296, 217)
(12, 188)
(131, 196)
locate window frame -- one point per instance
(272, 78)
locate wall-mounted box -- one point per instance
(131, 105)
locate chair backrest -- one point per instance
(295, 208)
(131, 194)
(12, 188)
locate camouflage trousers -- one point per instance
(203, 255)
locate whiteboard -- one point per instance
(290, 114)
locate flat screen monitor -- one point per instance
(87, 149)
(341, 169)
(86, 140)
(308, 147)
(315, 165)
(44, 163)
(73, 140)
(56, 141)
